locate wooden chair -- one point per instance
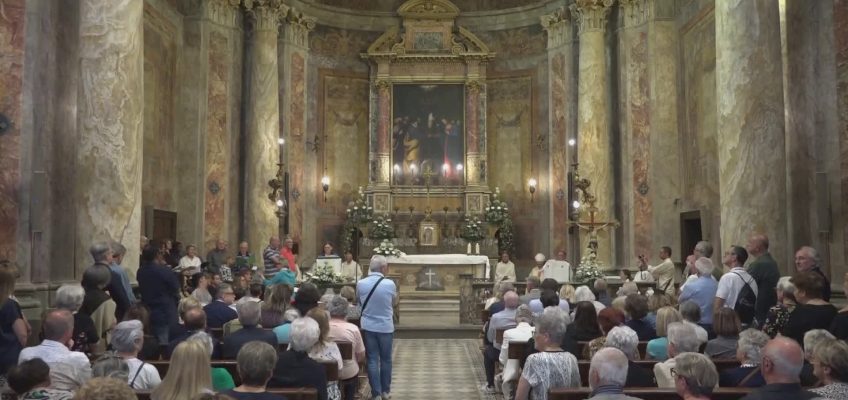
(346, 348)
(355, 321)
(648, 393)
(517, 350)
(499, 335)
(289, 393)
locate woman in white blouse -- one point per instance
(127, 340)
(326, 349)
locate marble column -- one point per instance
(750, 137)
(594, 151)
(840, 35)
(384, 126)
(561, 122)
(12, 46)
(649, 131)
(302, 145)
(108, 157)
(472, 116)
(263, 119)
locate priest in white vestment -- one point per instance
(557, 269)
(350, 269)
(505, 270)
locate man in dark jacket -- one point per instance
(102, 254)
(195, 321)
(781, 365)
(765, 272)
(218, 312)
(294, 367)
(159, 289)
(248, 315)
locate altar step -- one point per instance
(429, 311)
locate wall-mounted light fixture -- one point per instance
(325, 184)
(531, 185)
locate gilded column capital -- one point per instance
(558, 25)
(474, 85)
(224, 12)
(265, 13)
(637, 12)
(297, 27)
(591, 15)
(382, 85)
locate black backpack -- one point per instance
(746, 302)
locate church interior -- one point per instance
(439, 133)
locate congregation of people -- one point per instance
(740, 326)
(189, 315)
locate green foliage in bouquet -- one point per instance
(497, 209)
(323, 275)
(507, 236)
(381, 229)
(472, 230)
(589, 268)
(358, 210)
(387, 248)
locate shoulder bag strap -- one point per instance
(364, 304)
(748, 377)
(137, 372)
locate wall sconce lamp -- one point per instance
(531, 183)
(325, 184)
(572, 142)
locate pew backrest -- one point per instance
(289, 393)
(647, 393)
(346, 348)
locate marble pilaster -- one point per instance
(473, 89)
(750, 137)
(301, 144)
(561, 100)
(12, 33)
(594, 151)
(384, 107)
(262, 122)
(648, 118)
(840, 35)
(108, 186)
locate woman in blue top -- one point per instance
(658, 348)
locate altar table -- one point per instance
(436, 272)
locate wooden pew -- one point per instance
(648, 393)
(642, 347)
(288, 393)
(216, 333)
(517, 350)
(583, 366)
(499, 335)
(332, 370)
(485, 315)
(346, 348)
(230, 365)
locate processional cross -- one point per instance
(592, 226)
(428, 176)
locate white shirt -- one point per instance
(351, 270)
(662, 371)
(148, 377)
(700, 332)
(505, 270)
(731, 284)
(664, 274)
(69, 370)
(643, 276)
(512, 368)
(191, 264)
(560, 270)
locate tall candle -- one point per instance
(477, 248)
(469, 249)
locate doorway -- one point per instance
(690, 232)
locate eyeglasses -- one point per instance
(674, 373)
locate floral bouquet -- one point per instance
(497, 210)
(589, 269)
(387, 248)
(381, 229)
(323, 274)
(358, 211)
(472, 230)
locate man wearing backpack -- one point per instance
(737, 282)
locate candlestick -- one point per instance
(477, 248)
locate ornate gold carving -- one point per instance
(297, 27)
(637, 12)
(265, 13)
(558, 25)
(429, 9)
(473, 85)
(382, 85)
(591, 15)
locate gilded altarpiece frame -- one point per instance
(428, 48)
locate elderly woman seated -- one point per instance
(522, 332)
(636, 308)
(69, 297)
(830, 365)
(127, 340)
(551, 367)
(812, 339)
(778, 315)
(583, 293)
(681, 339)
(256, 361)
(608, 318)
(726, 326)
(294, 367)
(625, 339)
(749, 353)
(607, 375)
(695, 376)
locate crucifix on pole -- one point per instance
(428, 175)
(588, 202)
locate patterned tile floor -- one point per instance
(426, 369)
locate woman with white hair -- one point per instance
(812, 339)
(830, 366)
(341, 330)
(551, 367)
(627, 341)
(294, 367)
(583, 293)
(695, 376)
(778, 315)
(749, 354)
(69, 297)
(127, 340)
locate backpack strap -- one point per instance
(137, 372)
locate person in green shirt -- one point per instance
(765, 272)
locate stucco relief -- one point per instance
(513, 43)
(510, 127)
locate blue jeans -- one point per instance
(378, 354)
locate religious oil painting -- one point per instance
(428, 234)
(428, 135)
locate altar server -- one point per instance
(557, 269)
(505, 270)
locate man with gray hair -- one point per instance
(662, 272)
(627, 340)
(127, 340)
(118, 253)
(103, 254)
(532, 291)
(219, 311)
(682, 338)
(491, 351)
(248, 316)
(702, 292)
(522, 332)
(781, 365)
(807, 259)
(608, 375)
(294, 366)
(378, 296)
(341, 330)
(69, 370)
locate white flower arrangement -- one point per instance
(381, 228)
(589, 268)
(496, 211)
(387, 248)
(358, 211)
(323, 274)
(472, 230)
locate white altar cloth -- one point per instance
(446, 259)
